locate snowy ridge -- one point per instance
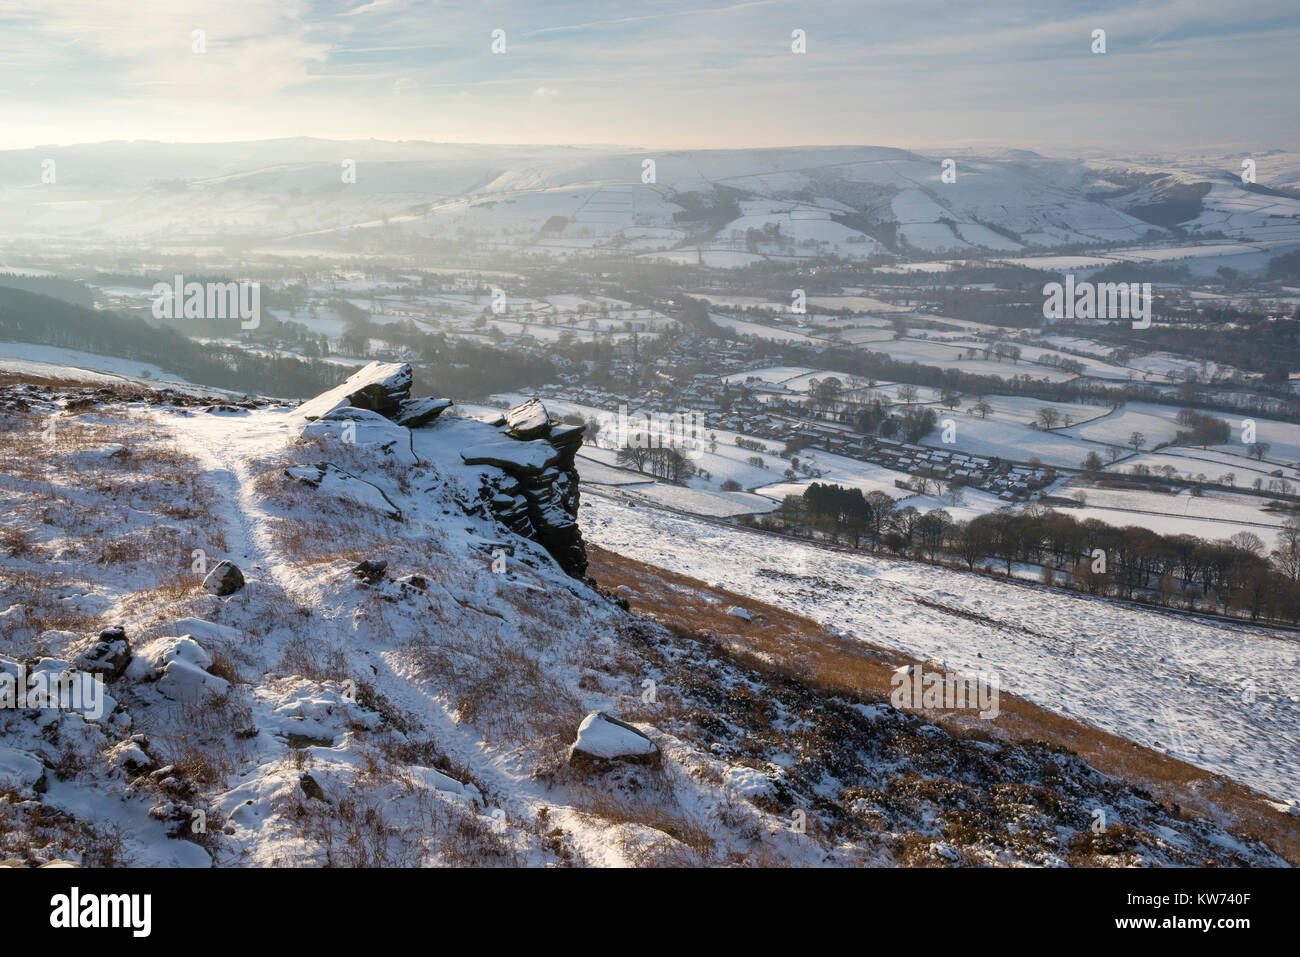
(410, 691)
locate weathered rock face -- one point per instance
(531, 485)
(539, 496)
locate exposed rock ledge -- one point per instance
(529, 481)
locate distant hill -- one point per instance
(856, 202)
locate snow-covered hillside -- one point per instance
(1222, 697)
(328, 636)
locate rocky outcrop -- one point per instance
(379, 387)
(538, 498)
(529, 480)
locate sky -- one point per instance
(1176, 74)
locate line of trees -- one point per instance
(662, 461)
(1235, 576)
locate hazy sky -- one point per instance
(657, 73)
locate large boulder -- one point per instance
(603, 739)
(416, 413)
(380, 387)
(529, 420)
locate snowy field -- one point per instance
(1177, 684)
(51, 360)
(1158, 423)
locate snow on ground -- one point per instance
(420, 715)
(955, 356)
(25, 357)
(1178, 684)
(599, 473)
(1234, 512)
(303, 627)
(693, 500)
(1158, 423)
(763, 331)
(1208, 462)
(1012, 440)
(839, 470)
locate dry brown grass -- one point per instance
(36, 833)
(502, 690)
(307, 657)
(38, 593)
(686, 842)
(99, 504)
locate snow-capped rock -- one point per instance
(521, 459)
(109, 656)
(602, 737)
(528, 420)
(417, 413)
(380, 387)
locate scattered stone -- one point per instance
(130, 757)
(110, 655)
(371, 571)
(225, 579)
(311, 788)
